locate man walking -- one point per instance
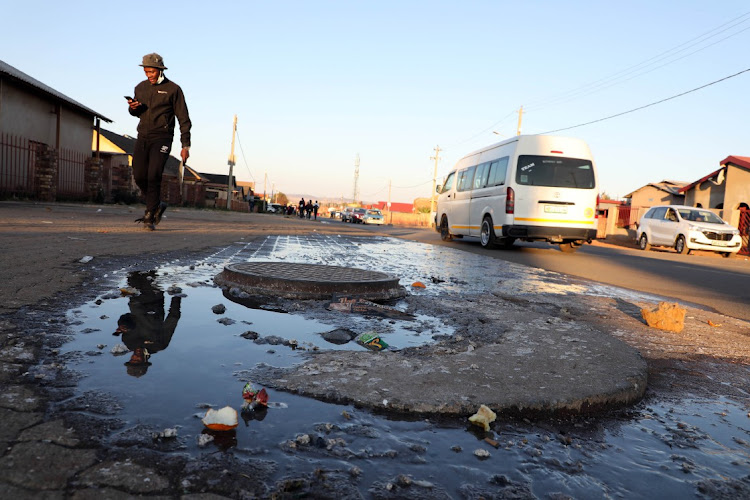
(157, 101)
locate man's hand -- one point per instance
(185, 154)
(133, 104)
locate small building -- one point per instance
(116, 154)
(45, 140)
(727, 190)
(665, 192)
(217, 186)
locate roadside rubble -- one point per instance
(358, 305)
(665, 316)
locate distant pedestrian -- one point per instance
(156, 102)
(301, 208)
(316, 206)
(251, 200)
(308, 209)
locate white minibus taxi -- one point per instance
(530, 188)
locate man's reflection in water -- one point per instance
(144, 329)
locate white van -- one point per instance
(531, 188)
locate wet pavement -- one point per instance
(80, 423)
(689, 445)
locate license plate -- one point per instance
(555, 209)
(720, 243)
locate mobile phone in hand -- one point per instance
(128, 98)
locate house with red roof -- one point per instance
(726, 189)
(404, 208)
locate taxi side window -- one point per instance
(671, 215)
(480, 177)
(465, 179)
(498, 169)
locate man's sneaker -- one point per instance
(147, 220)
(160, 212)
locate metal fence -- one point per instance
(628, 217)
(71, 173)
(744, 227)
(17, 166)
(18, 169)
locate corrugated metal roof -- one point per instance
(669, 187)
(19, 76)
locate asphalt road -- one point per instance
(701, 278)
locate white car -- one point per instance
(274, 208)
(687, 228)
(373, 216)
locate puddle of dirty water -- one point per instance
(669, 450)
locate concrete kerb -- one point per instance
(539, 375)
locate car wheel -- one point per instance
(643, 243)
(570, 246)
(487, 233)
(445, 233)
(680, 245)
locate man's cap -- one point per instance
(153, 60)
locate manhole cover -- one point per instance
(308, 281)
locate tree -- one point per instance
(281, 199)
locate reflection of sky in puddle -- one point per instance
(206, 362)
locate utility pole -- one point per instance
(520, 115)
(231, 166)
(434, 181)
(356, 178)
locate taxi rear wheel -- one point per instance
(487, 233)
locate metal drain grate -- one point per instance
(309, 281)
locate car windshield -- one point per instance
(359, 210)
(374, 212)
(700, 216)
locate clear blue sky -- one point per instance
(314, 83)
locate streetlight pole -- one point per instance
(434, 181)
(520, 115)
(231, 166)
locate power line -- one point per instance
(604, 86)
(415, 185)
(649, 105)
(615, 78)
(612, 80)
(243, 156)
(482, 132)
